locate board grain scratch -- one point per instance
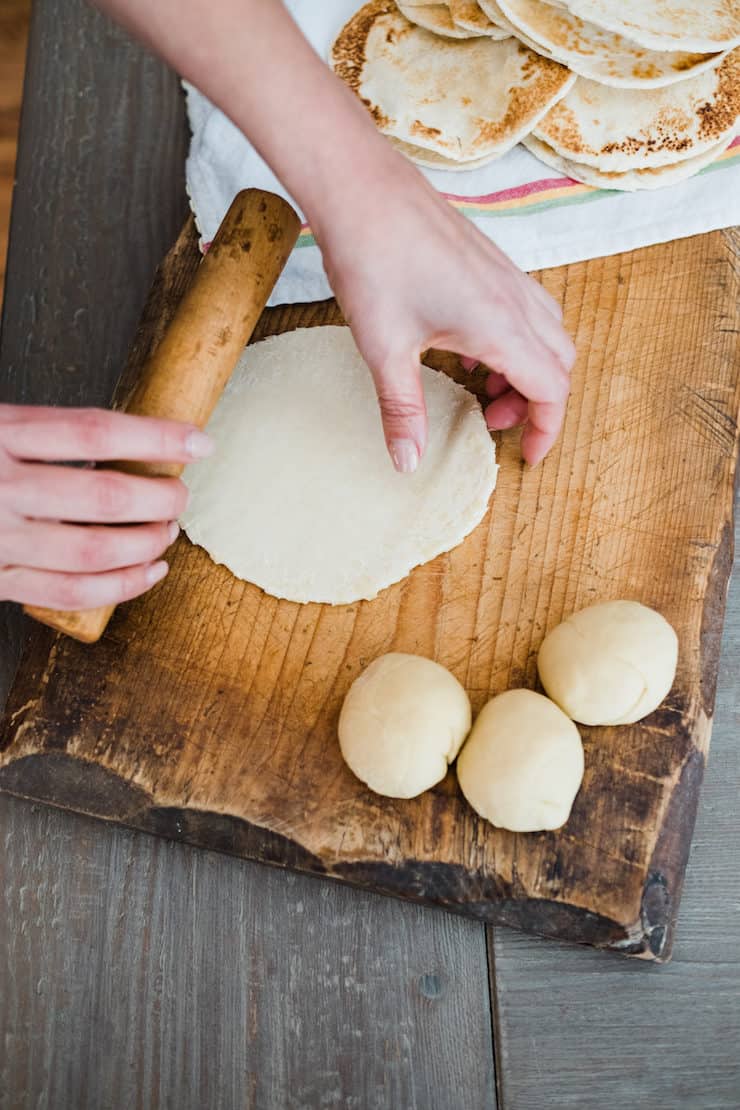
(208, 712)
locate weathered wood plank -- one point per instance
(140, 973)
(133, 972)
(208, 711)
(100, 198)
(575, 1031)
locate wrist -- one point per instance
(367, 183)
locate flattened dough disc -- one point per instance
(301, 497)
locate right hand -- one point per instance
(57, 546)
(411, 273)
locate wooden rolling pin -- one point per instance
(185, 376)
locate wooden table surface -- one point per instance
(140, 973)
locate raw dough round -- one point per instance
(301, 497)
(523, 763)
(610, 664)
(402, 723)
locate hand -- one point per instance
(411, 273)
(46, 560)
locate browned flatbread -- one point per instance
(436, 18)
(464, 100)
(617, 130)
(597, 53)
(631, 180)
(469, 15)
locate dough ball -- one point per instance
(402, 722)
(610, 664)
(523, 764)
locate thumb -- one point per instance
(403, 412)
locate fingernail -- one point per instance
(156, 572)
(173, 531)
(405, 455)
(469, 363)
(199, 445)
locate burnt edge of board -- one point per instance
(661, 894)
(97, 792)
(78, 786)
(75, 785)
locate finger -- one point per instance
(520, 354)
(542, 429)
(100, 436)
(469, 364)
(403, 411)
(507, 411)
(93, 496)
(544, 299)
(496, 384)
(69, 548)
(552, 333)
(73, 592)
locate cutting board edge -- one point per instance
(668, 858)
(39, 776)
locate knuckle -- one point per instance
(392, 367)
(7, 538)
(395, 406)
(10, 581)
(170, 441)
(158, 542)
(10, 544)
(112, 497)
(94, 432)
(8, 474)
(179, 499)
(70, 593)
(95, 551)
(130, 583)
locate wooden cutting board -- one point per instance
(208, 712)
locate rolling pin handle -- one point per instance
(185, 375)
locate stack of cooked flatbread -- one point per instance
(622, 94)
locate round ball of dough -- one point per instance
(523, 763)
(610, 664)
(402, 722)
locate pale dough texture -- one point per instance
(402, 723)
(609, 664)
(523, 763)
(301, 497)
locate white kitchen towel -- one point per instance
(539, 217)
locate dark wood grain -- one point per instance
(208, 711)
(140, 973)
(580, 1030)
(575, 1031)
(100, 198)
(134, 972)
